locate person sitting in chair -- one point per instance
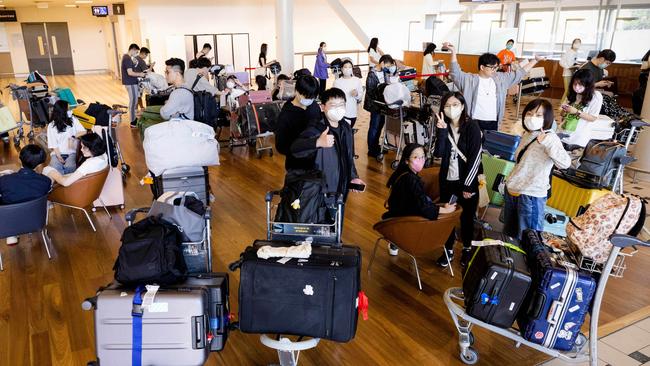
(25, 184)
(93, 149)
(407, 196)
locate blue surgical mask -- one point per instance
(603, 65)
(508, 46)
(392, 69)
(306, 102)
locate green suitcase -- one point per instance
(492, 167)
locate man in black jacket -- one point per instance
(293, 119)
(328, 144)
(375, 78)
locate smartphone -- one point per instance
(453, 199)
(357, 187)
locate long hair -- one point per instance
(586, 79)
(463, 119)
(431, 48)
(60, 117)
(373, 44)
(403, 167)
(549, 116)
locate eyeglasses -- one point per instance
(491, 67)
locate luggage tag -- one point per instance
(146, 180)
(148, 300)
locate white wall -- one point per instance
(86, 36)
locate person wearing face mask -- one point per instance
(93, 149)
(321, 66)
(375, 78)
(568, 62)
(181, 100)
(597, 67)
(506, 56)
(529, 183)
(407, 196)
(329, 144)
(581, 109)
(294, 118)
(486, 91)
(351, 86)
(458, 144)
(130, 79)
(62, 134)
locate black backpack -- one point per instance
(100, 112)
(303, 199)
(206, 108)
(435, 86)
(150, 253)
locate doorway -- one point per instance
(48, 48)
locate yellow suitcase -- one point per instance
(568, 197)
(86, 120)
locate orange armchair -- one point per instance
(415, 235)
(81, 193)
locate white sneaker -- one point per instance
(12, 240)
(392, 250)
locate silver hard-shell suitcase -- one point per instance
(174, 330)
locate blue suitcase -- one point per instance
(555, 221)
(559, 299)
(501, 144)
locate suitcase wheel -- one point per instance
(394, 164)
(126, 168)
(470, 356)
(380, 158)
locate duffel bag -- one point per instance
(191, 224)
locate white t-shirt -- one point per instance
(374, 55)
(453, 172)
(486, 100)
(64, 140)
(568, 59)
(351, 103)
(582, 134)
(93, 165)
(428, 65)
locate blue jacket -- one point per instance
(22, 186)
(320, 68)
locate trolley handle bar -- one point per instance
(270, 194)
(624, 241)
(130, 216)
(639, 123)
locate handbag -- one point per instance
(483, 196)
(190, 224)
(7, 120)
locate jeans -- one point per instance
(68, 166)
(466, 217)
(374, 132)
(322, 84)
(522, 212)
(134, 94)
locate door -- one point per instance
(47, 46)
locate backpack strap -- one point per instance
(523, 151)
(198, 77)
(453, 143)
(136, 339)
(627, 207)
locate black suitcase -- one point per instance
(218, 305)
(496, 282)
(315, 297)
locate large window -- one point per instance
(535, 32)
(631, 34)
(574, 24)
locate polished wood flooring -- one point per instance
(42, 323)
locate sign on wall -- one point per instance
(8, 16)
(118, 9)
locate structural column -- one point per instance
(284, 34)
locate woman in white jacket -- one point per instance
(528, 185)
(567, 62)
(351, 86)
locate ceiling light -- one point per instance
(42, 5)
(83, 2)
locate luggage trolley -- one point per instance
(627, 137)
(197, 254)
(585, 349)
(393, 139)
(115, 118)
(23, 96)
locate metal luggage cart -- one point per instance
(433, 104)
(115, 116)
(197, 254)
(627, 137)
(584, 350)
(393, 138)
(23, 97)
(289, 231)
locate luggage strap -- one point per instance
(136, 315)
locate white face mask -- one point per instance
(335, 114)
(347, 71)
(69, 114)
(394, 79)
(230, 84)
(453, 112)
(306, 102)
(534, 123)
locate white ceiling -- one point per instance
(54, 3)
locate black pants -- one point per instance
(322, 83)
(466, 217)
(488, 125)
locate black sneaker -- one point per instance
(465, 257)
(442, 261)
(134, 124)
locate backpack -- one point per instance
(435, 86)
(100, 112)
(598, 164)
(612, 213)
(303, 199)
(150, 253)
(206, 108)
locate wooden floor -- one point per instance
(42, 323)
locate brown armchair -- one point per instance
(415, 235)
(81, 193)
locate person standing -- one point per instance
(486, 91)
(261, 59)
(506, 56)
(204, 52)
(374, 53)
(142, 66)
(130, 80)
(320, 68)
(567, 62)
(351, 86)
(376, 77)
(428, 65)
(597, 66)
